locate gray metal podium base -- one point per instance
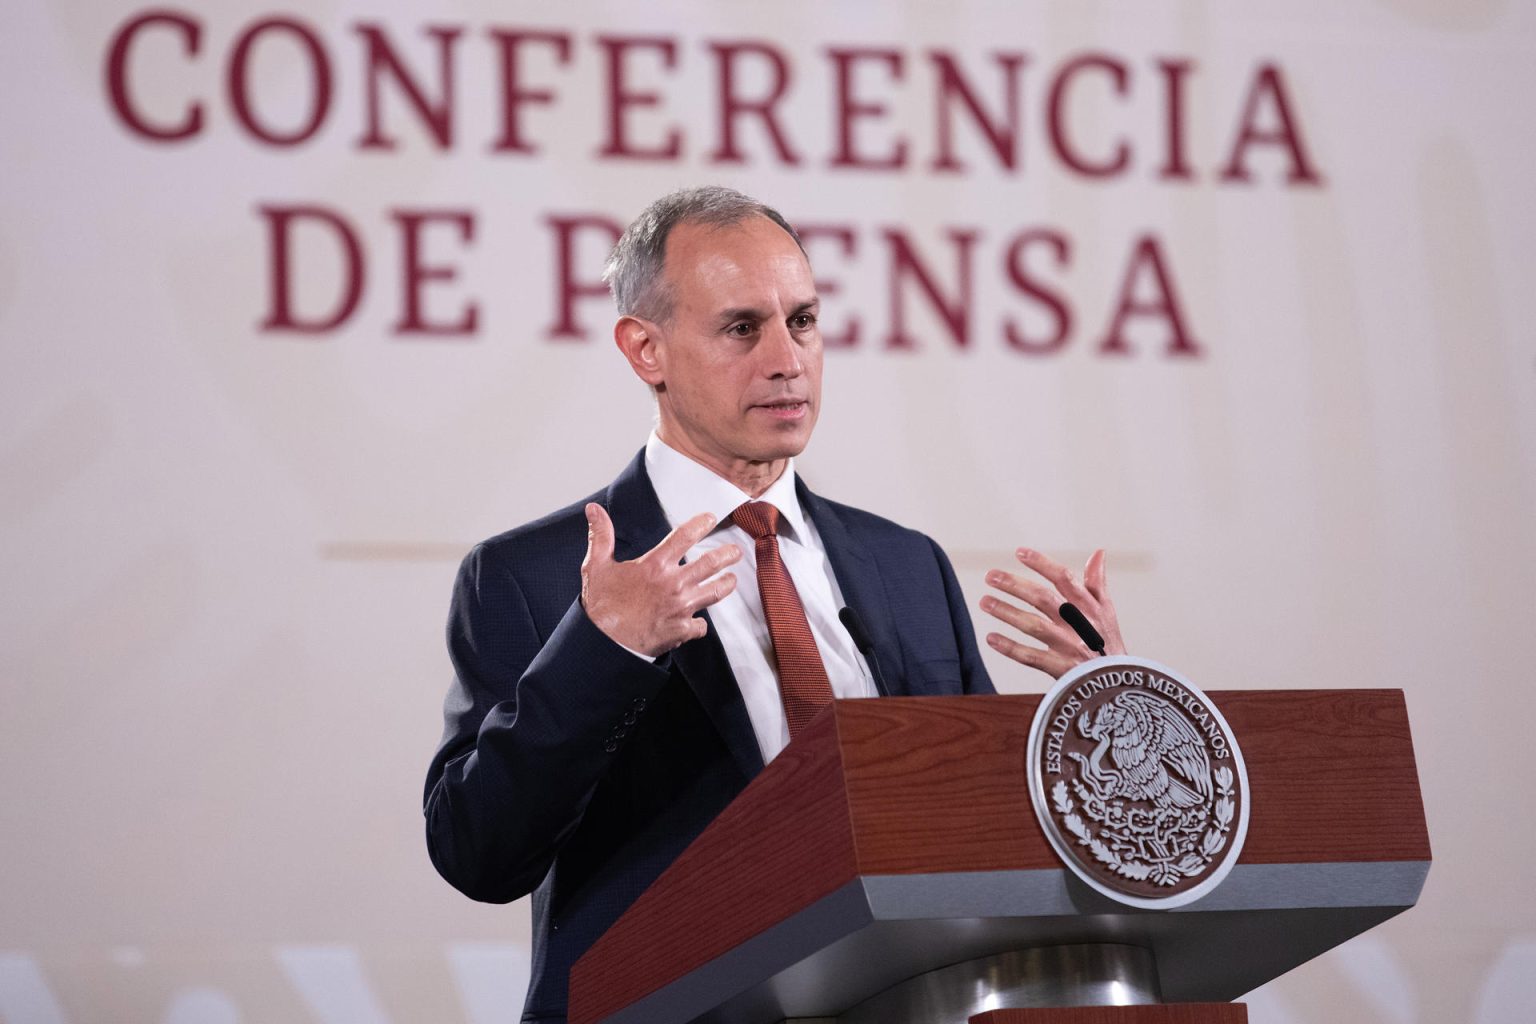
(878, 931)
(1091, 974)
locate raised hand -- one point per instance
(1063, 649)
(648, 604)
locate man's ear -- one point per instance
(638, 340)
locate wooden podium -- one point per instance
(895, 837)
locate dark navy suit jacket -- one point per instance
(577, 771)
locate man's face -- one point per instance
(738, 362)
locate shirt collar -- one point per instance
(686, 488)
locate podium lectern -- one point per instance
(888, 867)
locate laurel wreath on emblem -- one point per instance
(1118, 854)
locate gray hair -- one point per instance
(636, 270)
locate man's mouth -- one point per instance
(785, 408)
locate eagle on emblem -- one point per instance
(1158, 755)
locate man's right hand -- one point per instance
(648, 604)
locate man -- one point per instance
(627, 664)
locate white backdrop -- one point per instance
(228, 548)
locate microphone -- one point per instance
(855, 627)
(1081, 626)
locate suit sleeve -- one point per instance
(531, 725)
(973, 673)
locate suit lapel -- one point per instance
(858, 576)
(639, 525)
(703, 664)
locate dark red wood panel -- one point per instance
(1170, 1013)
(781, 846)
(1332, 773)
(938, 785)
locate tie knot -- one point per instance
(758, 518)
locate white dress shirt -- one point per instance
(686, 489)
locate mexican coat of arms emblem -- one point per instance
(1138, 782)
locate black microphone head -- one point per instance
(855, 627)
(1073, 617)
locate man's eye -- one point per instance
(741, 330)
(802, 321)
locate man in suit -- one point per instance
(627, 664)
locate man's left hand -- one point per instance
(1063, 648)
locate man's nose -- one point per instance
(780, 353)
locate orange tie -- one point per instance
(803, 684)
